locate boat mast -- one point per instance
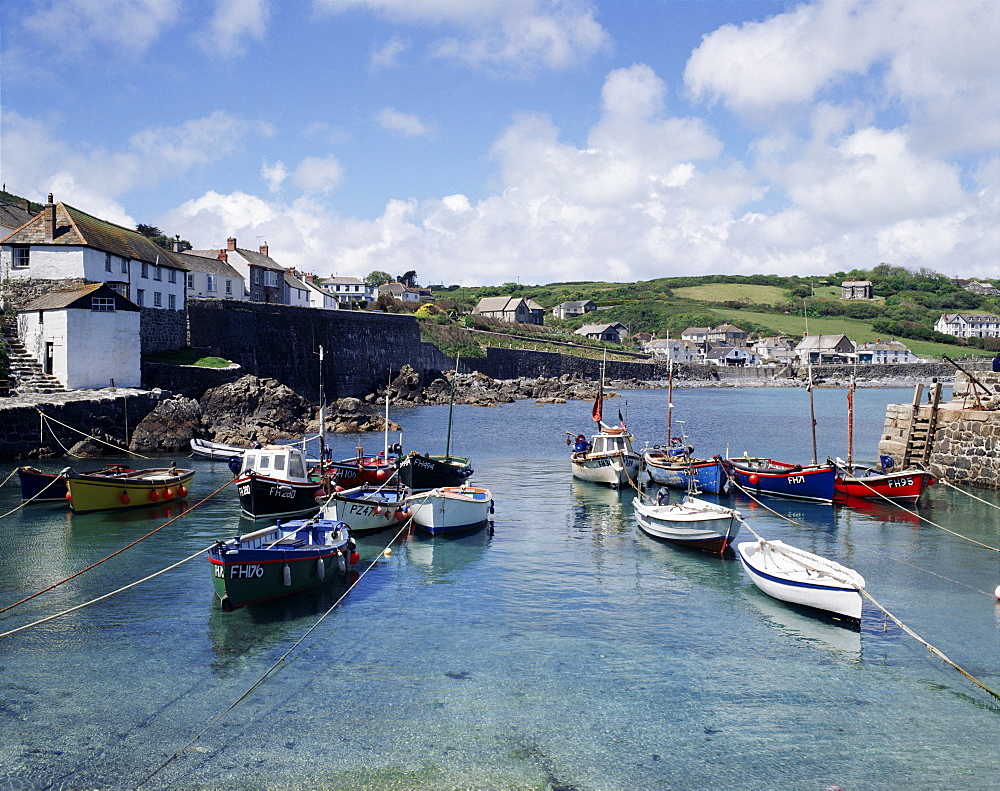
(386, 427)
(322, 413)
(850, 424)
(812, 407)
(670, 397)
(451, 407)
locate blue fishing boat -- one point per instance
(674, 467)
(798, 481)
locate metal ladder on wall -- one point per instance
(923, 424)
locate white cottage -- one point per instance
(86, 336)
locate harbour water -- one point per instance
(567, 650)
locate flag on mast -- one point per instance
(598, 411)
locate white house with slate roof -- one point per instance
(886, 352)
(212, 278)
(969, 325)
(613, 333)
(264, 278)
(512, 309)
(87, 336)
(570, 310)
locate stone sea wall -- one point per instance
(111, 414)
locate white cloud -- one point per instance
(387, 56)
(406, 124)
(318, 174)
(233, 24)
(518, 35)
(274, 175)
(125, 27)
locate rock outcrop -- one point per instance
(254, 409)
(169, 427)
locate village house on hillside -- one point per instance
(212, 278)
(570, 310)
(969, 325)
(62, 245)
(724, 355)
(857, 289)
(775, 349)
(511, 309)
(349, 290)
(977, 287)
(825, 350)
(264, 278)
(400, 292)
(726, 333)
(673, 350)
(886, 352)
(614, 332)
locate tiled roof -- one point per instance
(258, 259)
(496, 304)
(68, 297)
(12, 216)
(77, 228)
(195, 262)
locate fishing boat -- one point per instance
(216, 451)
(691, 522)
(856, 482)
(780, 479)
(367, 509)
(88, 492)
(449, 509)
(274, 481)
(280, 560)
(47, 487)
(608, 457)
(422, 471)
(795, 576)
(363, 469)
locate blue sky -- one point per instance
(534, 140)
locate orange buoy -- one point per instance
(319, 494)
(154, 495)
(168, 494)
(754, 479)
(355, 557)
(69, 497)
(400, 515)
(125, 499)
(182, 491)
(380, 474)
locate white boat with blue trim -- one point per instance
(449, 509)
(798, 577)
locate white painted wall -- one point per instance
(90, 348)
(47, 263)
(237, 289)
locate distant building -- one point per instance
(983, 289)
(13, 217)
(856, 289)
(727, 333)
(696, 334)
(400, 292)
(774, 349)
(673, 349)
(570, 310)
(348, 290)
(263, 276)
(511, 309)
(825, 350)
(731, 356)
(212, 278)
(969, 325)
(612, 333)
(883, 352)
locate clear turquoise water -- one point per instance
(566, 651)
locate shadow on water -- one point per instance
(600, 509)
(441, 558)
(809, 627)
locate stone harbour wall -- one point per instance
(162, 330)
(111, 414)
(187, 380)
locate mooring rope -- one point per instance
(968, 494)
(862, 591)
(105, 596)
(99, 562)
(33, 497)
(88, 436)
(267, 673)
(7, 479)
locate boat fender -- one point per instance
(400, 515)
(182, 491)
(396, 448)
(355, 558)
(235, 462)
(319, 494)
(168, 494)
(320, 569)
(380, 474)
(997, 592)
(125, 499)
(491, 507)
(753, 479)
(341, 562)
(154, 495)
(286, 575)
(69, 497)
(227, 604)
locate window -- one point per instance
(172, 301)
(157, 272)
(102, 304)
(211, 283)
(120, 288)
(190, 281)
(270, 278)
(279, 463)
(172, 275)
(157, 299)
(256, 276)
(229, 286)
(21, 257)
(124, 266)
(140, 298)
(107, 262)
(145, 269)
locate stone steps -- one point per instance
(26, 373)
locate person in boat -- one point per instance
(256, 445)
(663, 496)
(581, 445)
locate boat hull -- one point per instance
(778, 479)
(253, 568)
(215, 451)
(689, 524)
(612, 469)
(431, 472)
(708, 473)
(781, 578)
(41, 487)
(451, 509)
(263, 497)
(904, 486)
(95, 492)
(366, 509)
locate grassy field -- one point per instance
(725, 292)
(858, 331)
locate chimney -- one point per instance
(223, 256)
(49, 213)
(263, 249)
(23, 203)
(176, 244)
(231, 243)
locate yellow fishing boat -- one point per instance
(89, 492)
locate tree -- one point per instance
(408, 278)
(377, 278)
(148, 230)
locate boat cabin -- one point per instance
(608, 442)
(276, 461)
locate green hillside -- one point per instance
(734, 292)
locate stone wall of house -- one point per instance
(109, 414)
(162, 330)
(18, 293)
